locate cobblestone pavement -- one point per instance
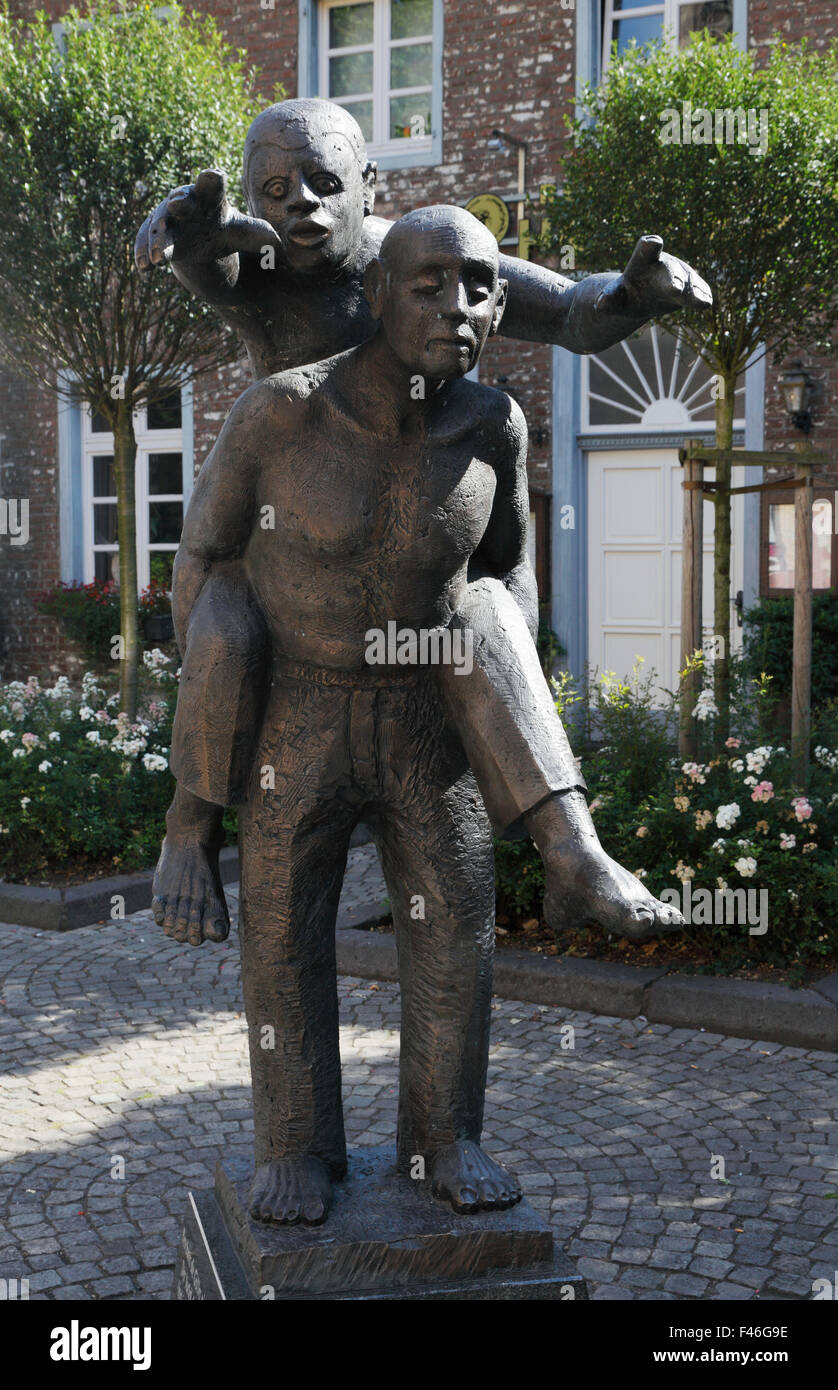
(124, 1051)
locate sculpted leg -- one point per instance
(294, 840)
(436, 848)
(517, 746)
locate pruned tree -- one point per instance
(736, 166)
(96, 122)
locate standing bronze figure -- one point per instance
(396, 492)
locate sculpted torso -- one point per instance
(366, 530)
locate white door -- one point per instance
(635, 511)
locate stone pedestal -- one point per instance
(385, 1238)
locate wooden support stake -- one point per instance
(692, 565)
(801, 677)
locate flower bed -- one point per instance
(82, 790)
(731, 839)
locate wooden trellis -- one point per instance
(695, 457)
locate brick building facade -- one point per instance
(512, 64)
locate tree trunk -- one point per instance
(125, 461)
(801, 677)
(721, 547)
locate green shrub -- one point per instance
(733, 822)
(89, 613)
(768, 636)
(79, 784)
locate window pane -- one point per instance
(104, 523)
(160, 564)
(98, 424)
(411, 66)
(410, 17)
(635, 5)
(106, 566)
(362, 111)
(165, 474)
(350, 24)
(165, 414)
(821, 543)
(406, 113)
(165, 521)
(104, 483)
(350, 74)
(717, 17)
(781, 545)
(644, 30)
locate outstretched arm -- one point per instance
(202, 236)
(591, 314)
(502, 552)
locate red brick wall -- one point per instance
(29, 469)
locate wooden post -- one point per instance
(801, 676)
(692, 565)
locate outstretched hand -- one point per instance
(657, 283)
(198, 218)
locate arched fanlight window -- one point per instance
(651, 382)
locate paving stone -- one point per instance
(141, 1051)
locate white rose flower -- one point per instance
(746, 867)
(44, 766)
(727, 815)
(152, 762)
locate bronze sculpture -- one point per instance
(293, 642)
(308, 179)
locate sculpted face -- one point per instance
(308, 176)
(435, 289)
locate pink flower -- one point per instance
(732, 742)
(30, 740)
(802, 809)
(763, 791)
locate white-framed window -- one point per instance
(651, 383)
(378, 58)
(672, 21)
(159, 493)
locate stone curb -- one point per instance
(805, 1018)
(89, 904)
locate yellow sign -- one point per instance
(492, 211)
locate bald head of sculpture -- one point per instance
(434, 288)
(306, 172)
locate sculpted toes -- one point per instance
(489, 1194)
(314, 1209)
(466, 1198)
(158, 908)
(195, 932)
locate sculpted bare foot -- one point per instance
(288, 1190)
(584, 884)
(471, 1181)
(188, 901)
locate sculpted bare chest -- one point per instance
(422, 505)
